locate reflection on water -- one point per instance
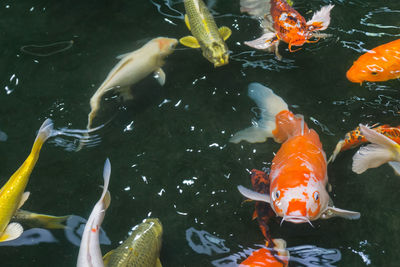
(47, 49)
(255, 59)
(3, 136)
(307, 255)
(74, 230)
(31, 237)
(203, 242)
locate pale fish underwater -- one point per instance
(12, 195)
(141, 248)
(89, 252)
(206, 34)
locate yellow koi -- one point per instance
(12, 195)
(206, 35)
(40, 220)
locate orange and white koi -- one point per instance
(281, 22)
(377, 65)
(274, 255)
(354, 138)
(381, 150)
(298, 177)
(89, 251)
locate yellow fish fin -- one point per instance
(51, 222)
(187, 21)
(159, 75)
(189, 41)
(13, 231)
(158, 263)
(224, 32)
(107, 199)
(106, 258)
(290, 2)
(24, 198)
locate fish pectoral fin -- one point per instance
(396, 166)
(24, 198)
(123, 55)
(264, 42)
(160, 76)
(106, 258)
(187, 21)
(190, 41)
(250, 194)
(13, 231)
(331, 212)
(225, 32)
(158, 263)
(125, 93)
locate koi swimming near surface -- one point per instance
(298, 176)
(281, 22)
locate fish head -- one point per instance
(371, 67)
(217, 53)
(166, 45)
(301, 203)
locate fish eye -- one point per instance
(316, 195)
(374, 73)
(276, 195)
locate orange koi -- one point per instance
(354, 138)
(281, 22)
(298, 177)
(377, 65)
(275, 255)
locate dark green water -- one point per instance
(174, 161)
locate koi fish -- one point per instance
(377, 65)
(132, 68)
(40, 220)
(206, 35)
(354, 138)
(381, 150)
(281, 22)
(277, 256)
(12, 195)
(298, 176)
(89, 252)
(141, 248)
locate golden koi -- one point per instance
(141, 248)
(206, 35)
(12, 195)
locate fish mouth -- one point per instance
(296, 219)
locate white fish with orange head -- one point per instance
(89, 252)
(298, 176)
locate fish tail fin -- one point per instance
(52, 222)
(271, 104)
(381, 150)
(321, 19)
(45, 132)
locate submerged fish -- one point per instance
(354, 138)
(381, 150)
(377, 65)
(141, 248)
(12, 195)
(39, 220)
(281, 22)
(275, 256)
(89, 252)
(132, 68)
(206, 35)
(298, 172)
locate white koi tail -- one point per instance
(321, 19)
(45, 132)
(381, 151)
(271, 105)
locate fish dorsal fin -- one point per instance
(190, 41)
(13, 231)
(187, 21)
(225, 32)
(24, 198)
(160, 76)
(331, 212)
(106, 258)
